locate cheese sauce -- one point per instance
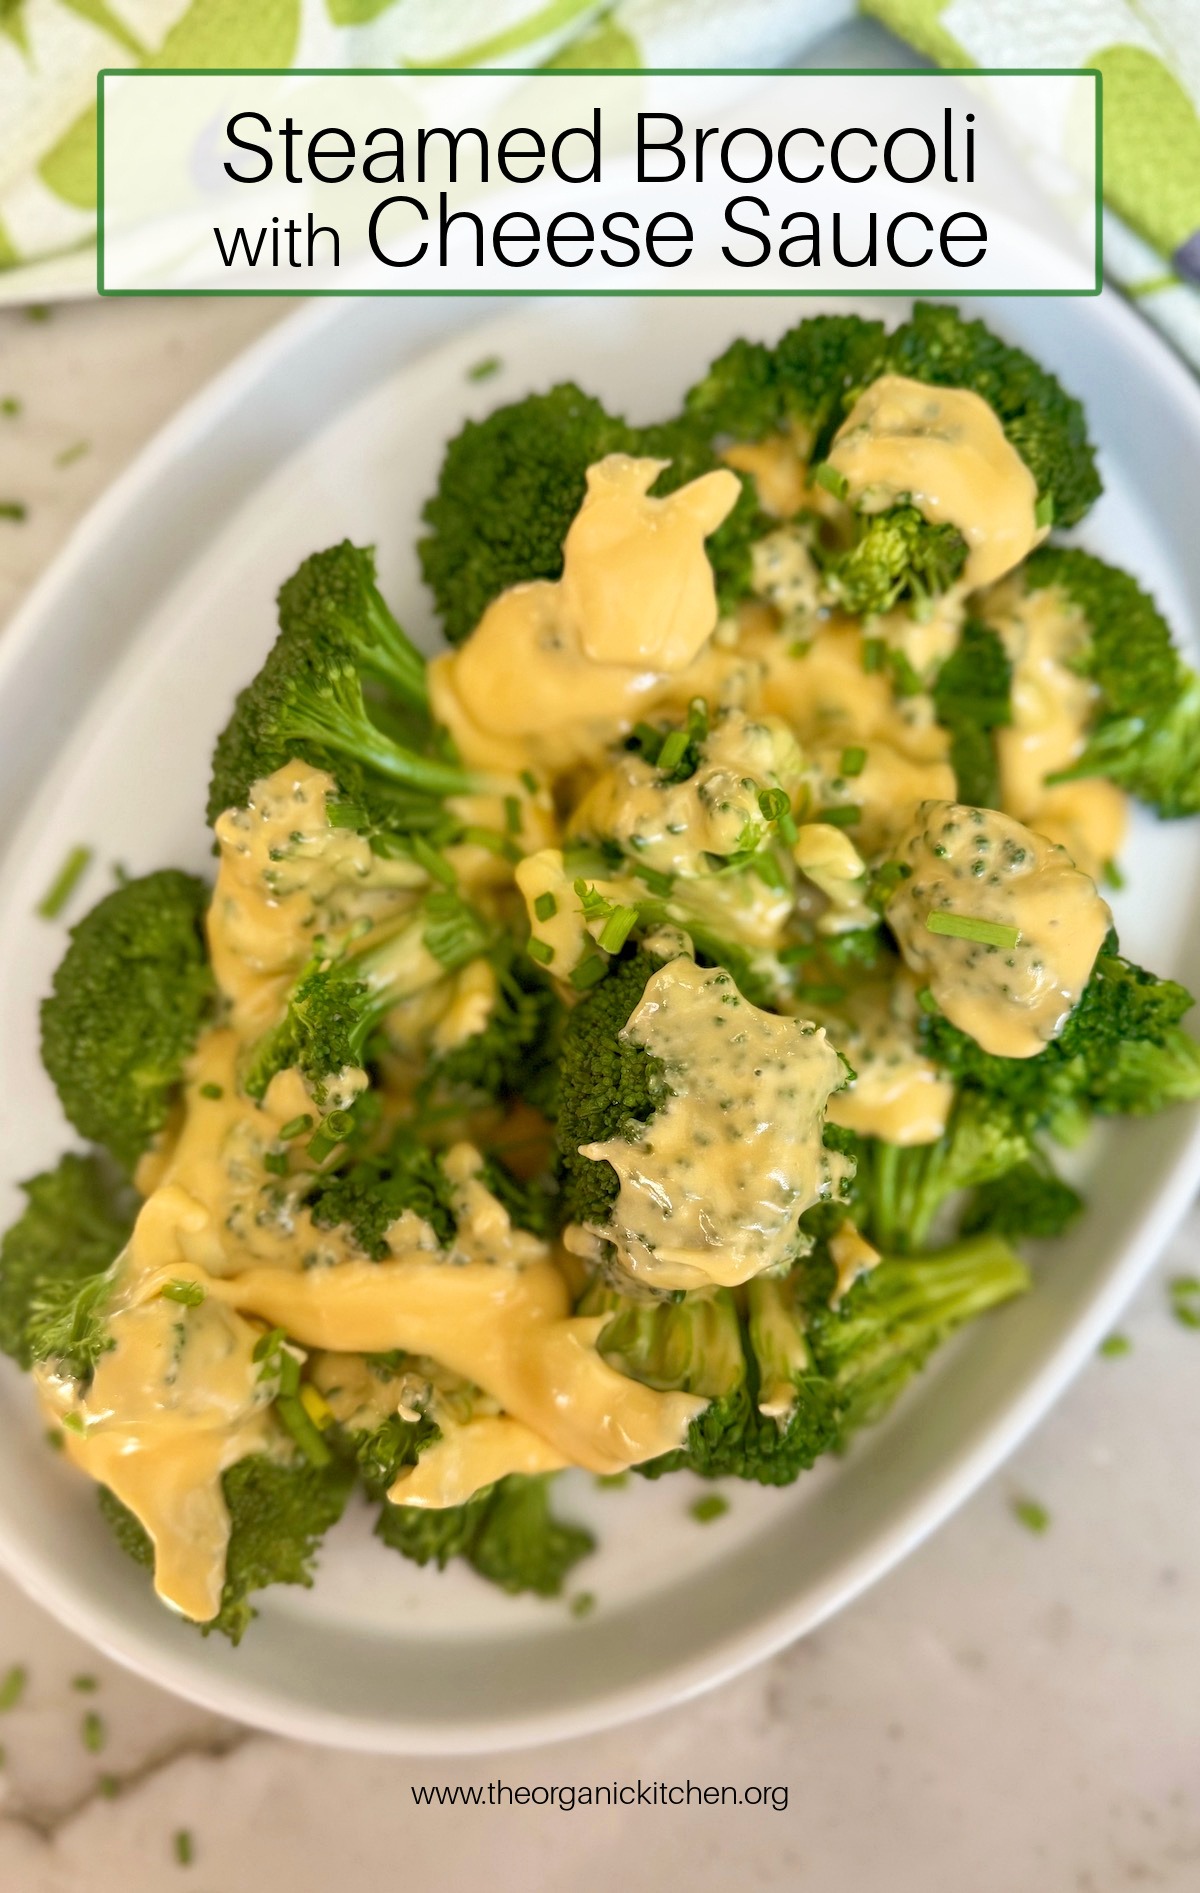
(943, 450)
(897, 1093)
(714, 1190)
(1043, 633)
(556, 669)
(976, 864)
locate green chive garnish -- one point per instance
(1043, 512)
(617, 929)
(512, 814)
(872, 654)
(485, 369)
(12, 1686)
(64, 883)
(1114, 1346)
(528, 781)
(189, 1294)
(967, 927)
(589, 972)
(545, 906)
(853, 760)
(212, 1091)
(85, 1683)
(184, 1851)
(832, 481)
(711, 1506)
(16, 510)
(583, 1604)
(672, 752)
(840, 814)
(541, 951)
(1029, 1513)
(93, 1732)
(295, 1127)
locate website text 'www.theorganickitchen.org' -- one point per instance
(567, 1796)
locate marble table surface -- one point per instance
(1010, 1711)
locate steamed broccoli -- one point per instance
(883, 1331)
(54, 1262)
(1029, 1201)
(971, 697)
(278, 1513)
(341, 998)
(769, 1416)
(307, 702)
(1122, 1051)
(372, 1192)
(604, 1084)
(899, 1191)
(796, 1371)
(807, 380)
(511, 484)
(1146, 731)
(507, 1533)
(515, 1055)
(1044, 423)
(896, 557)
(127, 1003)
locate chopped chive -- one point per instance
(617, 929)
(85, 1683)
(38, 312)
(840, 814)
(612, 1481)
(296, 1127)
(295, 1420)
(74, 452)
(275, 1163)
(14, 509)
(967, 927)
(64, 883)
(545, 906)
(485, 369)
(74, 1423)
(109, 1787)
(672, 752)
(541, 951)
(588, 972)
(10, 406)
(1029, 1513)
(184, 1850)
(1114, 1345)
(853, 760)
(1185, 1300)
(188, 1294)
(1043, 512)
(346, 815)
(212, 1091)
(656, 881)
(54, 1439)
(93, 1732)
(528, 781)
(872, 654)
(583, 1604)
(12, 1685)
(798, 951)
(832, 481)
(1113, 876)
(512, 814)
(435, 865)
(711, 1506)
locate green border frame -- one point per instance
(605, 72)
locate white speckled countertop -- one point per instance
(1007, 1712)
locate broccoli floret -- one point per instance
(307, 702)
(516, 1053)
(507, 1533)
(511, 484)
(807, 380)
(127, 1003)
(898, 1191)
(1029, 1201)
(769, 1415)
(883, 1331)
(508, 489)
(340, 999)
(1146, 731)
(369, 1194)
(604, 1084)
(971, 697)
(897, 557)
(278, 1514)
(55, 1259)
(1044, 423)
(1122, 1051)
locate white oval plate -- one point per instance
(113, 682)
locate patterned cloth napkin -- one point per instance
(1147, 50)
